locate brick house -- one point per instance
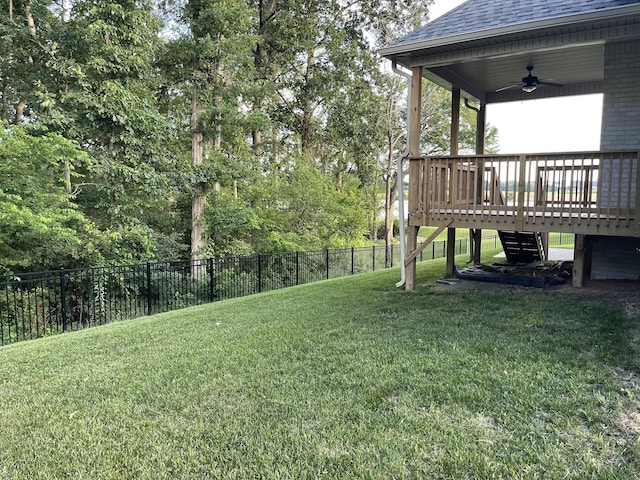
(476, 51)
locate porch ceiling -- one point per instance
(568, 52)
(579, 69)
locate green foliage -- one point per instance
(436, 122)
(40, 227)
(26, 47)
(285, 98)
(303, 209)
(232, 225)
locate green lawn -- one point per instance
(348, 378)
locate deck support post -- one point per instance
(578, 260)
(455, 134)
(451, 251)
(476, 241)
(476, 233)
(410, 272)
(455, 120)
(414, 173)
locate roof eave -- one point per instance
(604, 14)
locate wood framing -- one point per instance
(578, 261)
(414, 173)
(455, 139)
(430, 239)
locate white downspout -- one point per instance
(400, 181)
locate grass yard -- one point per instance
(348, 378)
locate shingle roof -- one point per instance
(478, 15)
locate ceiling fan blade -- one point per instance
(550, 84)
(515, 85)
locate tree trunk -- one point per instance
(31, 26)
(67, 177)
(266, 12)
(19, 112)
(4, 109)
(388, 211)
(217, 141)
(256, 139)
(306, 127)
(198, 201)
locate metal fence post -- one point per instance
(353, 266)
(297, 268)
(63, 298)
(259, 273)
(148, 288)
(373, 258)
(327, 261)
(212, 279)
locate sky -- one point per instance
(538, 126)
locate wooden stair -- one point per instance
(522, 247)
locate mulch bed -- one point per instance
(530, 275)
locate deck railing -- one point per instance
(584, 192)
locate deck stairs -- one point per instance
(522, 247)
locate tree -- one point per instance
(301, 209)
(247, 126)
(105, 98)
(210, 67)
(394, 125)
(26, 29)
(40, 227)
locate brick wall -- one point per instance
(621, 102)
(620, 119)
(619, 257)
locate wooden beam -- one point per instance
(416, 112)
(481, 128)
(477, 245)
(455, 120)
(451, 251)
(410, 268)
(455, 136)
(578, 261)
(414, 174)
(412, 256)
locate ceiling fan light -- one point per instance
(528, 88)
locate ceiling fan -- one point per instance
(529, 83)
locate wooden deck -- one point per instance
(582, 193)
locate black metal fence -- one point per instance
(38, 304)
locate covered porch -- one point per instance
(575, 48)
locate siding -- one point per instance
(619, 257)
(615, 258)
(621, 103)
